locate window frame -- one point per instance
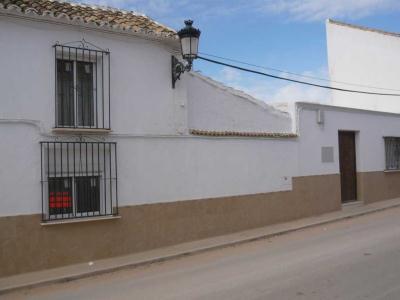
(60, 112)
(77, 100)
(92, 120)
(77, 160)
(76, 198)
(75, 213)
(388, 165)
(54, 193)
(99, 106)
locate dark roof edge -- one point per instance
(363, 28)
(345, 109)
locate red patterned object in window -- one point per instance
(60, 200)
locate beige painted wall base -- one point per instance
(26, 246)
(377, 186)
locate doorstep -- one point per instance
(77, 271)
(353, 203)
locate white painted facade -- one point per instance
(370, 127)
(27, 76)
(367, 57)
(213, 106)
(158, 160)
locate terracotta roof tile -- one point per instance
(97, 15)
(243, 134)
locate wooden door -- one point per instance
(347, 162)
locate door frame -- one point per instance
(355, 133)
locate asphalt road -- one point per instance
(353, 259)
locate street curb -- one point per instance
(115, 268)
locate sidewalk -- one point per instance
(72, 272)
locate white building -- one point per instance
(367, 58)
(101, 157)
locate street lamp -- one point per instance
(189, 40)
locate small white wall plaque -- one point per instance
(327, 155)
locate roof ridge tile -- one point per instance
(91, 14)
(262, 134)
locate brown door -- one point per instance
(347, 162)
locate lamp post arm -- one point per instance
(177, 68)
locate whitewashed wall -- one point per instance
(370, 126)
(364, 57)
(152, 170)
(20, 189)
(163, 169)
(142, 99)
(173, 169)
(213, 106)
(157, 160)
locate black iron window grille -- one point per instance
(392, 153)
(79, 179)
(82, 87)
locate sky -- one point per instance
(280, 34)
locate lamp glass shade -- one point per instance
(189, 46)
(189, 38)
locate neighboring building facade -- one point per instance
(101, 157)
(367, 57)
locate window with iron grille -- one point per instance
(82, 85)
(79, 179)
(392, 153)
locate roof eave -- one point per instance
(363, 28)
(62, 19)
